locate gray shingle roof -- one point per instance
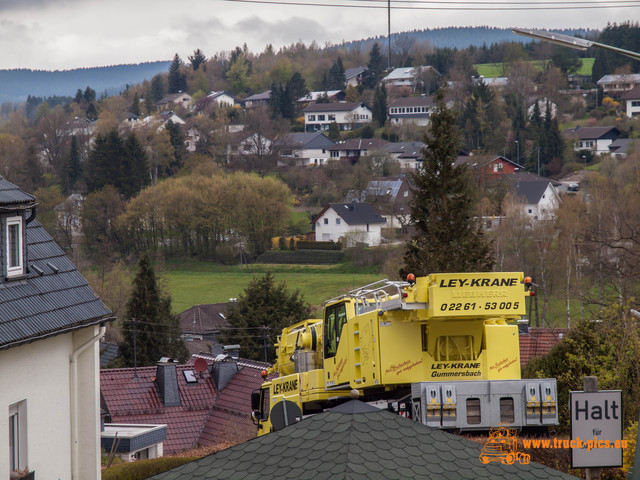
(333, 107)
(41, 305)
(532, 191)
(308, 140)
(355, 443)
(593, 133)
(357, 213)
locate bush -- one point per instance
(309, 245)
(144, 468)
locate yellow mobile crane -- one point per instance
(440, 349)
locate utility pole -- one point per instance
(389, 35)
(264, 341)
(135, 362)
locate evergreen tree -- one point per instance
(177, 141)
(135, 105)
(176, 79)
(72, 168)
(114, 162)
(379, 113)
(375, 68)
(197, 59)
(275, 100)
(157, 330)
(92, 112)
(78, 98)
(448, 234)
(259, 315)
(334, 131)
(625, 35)
(336, 79)
(89, 95)
(157, 89)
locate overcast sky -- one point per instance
(65, 34)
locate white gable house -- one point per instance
(348, 116)
(351, 223)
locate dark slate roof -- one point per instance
(360, 144)
(531, 191)
(10, 194)
(307, 140)
(622, 145)
(205, 319)
(43, 305)
(354, 72)
(354, 445)
(405, 149)
(632, 94)
(259, 96)
(412, 102)
(357, 213)
(333, 107)
(593, 133)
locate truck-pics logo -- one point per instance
(502, 447)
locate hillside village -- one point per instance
(263, 156)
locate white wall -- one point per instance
(39, 373)
(351, 233)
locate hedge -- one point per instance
(144, 468)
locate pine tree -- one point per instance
(263, 309)
(448, 234)
(379, 113)
(197, 59)
(157, 89)
(375, 67)
(72, 169)
(177, 79)
(135, 105)
(336, 80)
(157, 330)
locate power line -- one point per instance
(465, 6)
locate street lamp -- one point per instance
(584, 157)
(571, 42)
(517, 151)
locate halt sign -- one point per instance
(596, 428)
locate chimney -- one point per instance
(223, 370)
(167, 380)
(232, 350)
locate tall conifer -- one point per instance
(448, 233)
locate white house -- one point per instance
(348, 116)
(354, 76)
(596, 139)
(330, 95)
(632, 100)
(618, 83)
(182, 99)
(305, 149)
(408, 154)
(50, 329)
(354, 148)
(223, 99)
(410, 110)
(408, 76)
(540, 199)
(352, 223)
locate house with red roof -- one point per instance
(199, 405)
(538, 342)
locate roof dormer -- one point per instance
(17, 209)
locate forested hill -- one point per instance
(17, 85)
(464, 37)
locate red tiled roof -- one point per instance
(137, 400)
(539, 342)
(205, 416)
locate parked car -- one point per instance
(573, 187)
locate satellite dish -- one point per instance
(200, 365)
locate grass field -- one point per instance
(198, 283)
(492, 70)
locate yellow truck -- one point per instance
(441, 349)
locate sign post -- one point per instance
(596, 428)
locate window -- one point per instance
(335, 154)
(335, 318)
(311, 118)
(635, 103)
(18, 436)
(326, 221)
(473, 411)
(337, 221)
(506, 410)
(14, 246)
(332, 117)
(321, 118)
